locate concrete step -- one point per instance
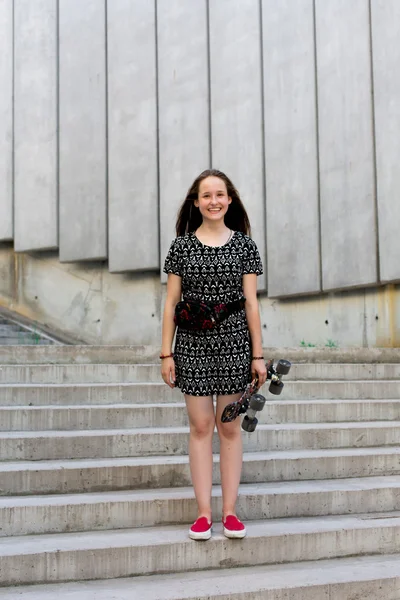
(122, 553)
(63, 354)
(329, 411)
(103, 393)
(360, 578)
(117, 416)
(86, 373)
(106, 393)
(63, 513)
(98, 475)
(151, 441)
(150, 373)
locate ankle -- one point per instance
(227, 513)
(206, 514)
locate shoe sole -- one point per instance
(200, 536)
(234, 535)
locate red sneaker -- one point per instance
(233, 528)
(201, 529)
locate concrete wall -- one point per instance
(83, 130)
(346, 146)
(293, 233)
(236, 105)
(386, 57)
(183, 106)
(109, 110)
(132, 135)
(96, 306)
(6, 119)
(35, 125)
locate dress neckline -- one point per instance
(233, 233)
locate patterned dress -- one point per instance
(215, 361)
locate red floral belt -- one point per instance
(198, 315)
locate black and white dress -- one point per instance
(214, 361)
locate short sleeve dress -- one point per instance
(213, 361)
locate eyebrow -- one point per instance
(218, 191)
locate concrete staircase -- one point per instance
(95, 484)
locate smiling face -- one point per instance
(213, 200)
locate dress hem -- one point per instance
(212, 393)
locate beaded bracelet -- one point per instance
(166, 356)
(257, 358)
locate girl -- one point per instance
(213, 259)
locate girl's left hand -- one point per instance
(258, 367)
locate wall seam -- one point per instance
(157, 100)
(264, 178)
(58, 121)
(107, 190)
(210, 153)
(13, 123)
(374, 155)
(317, 139)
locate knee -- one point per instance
(202, 428)
(229, 431)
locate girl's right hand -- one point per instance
(168, 371)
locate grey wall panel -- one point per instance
(83, 175)
(132, 136)
(348, 223)
(291, 147)
(385, 16)
(236, 105)
(35, 129)
(6, 119)
(183, 105)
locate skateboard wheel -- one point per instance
(283, 367)
(257, 402)
(276, 388)
(249, 425)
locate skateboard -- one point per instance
(251, 402)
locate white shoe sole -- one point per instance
(199, 536)
(234, 535)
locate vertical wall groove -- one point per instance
(317, 145)
(58, 117)
(158, 132)
(264, 179)
(13, 123)
(107, 190)
(373, 125)
(209, 84)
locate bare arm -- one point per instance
(254, 323)
(174, 291)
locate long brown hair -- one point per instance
(189, 216)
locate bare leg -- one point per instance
(231, 455)
(202, 423)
